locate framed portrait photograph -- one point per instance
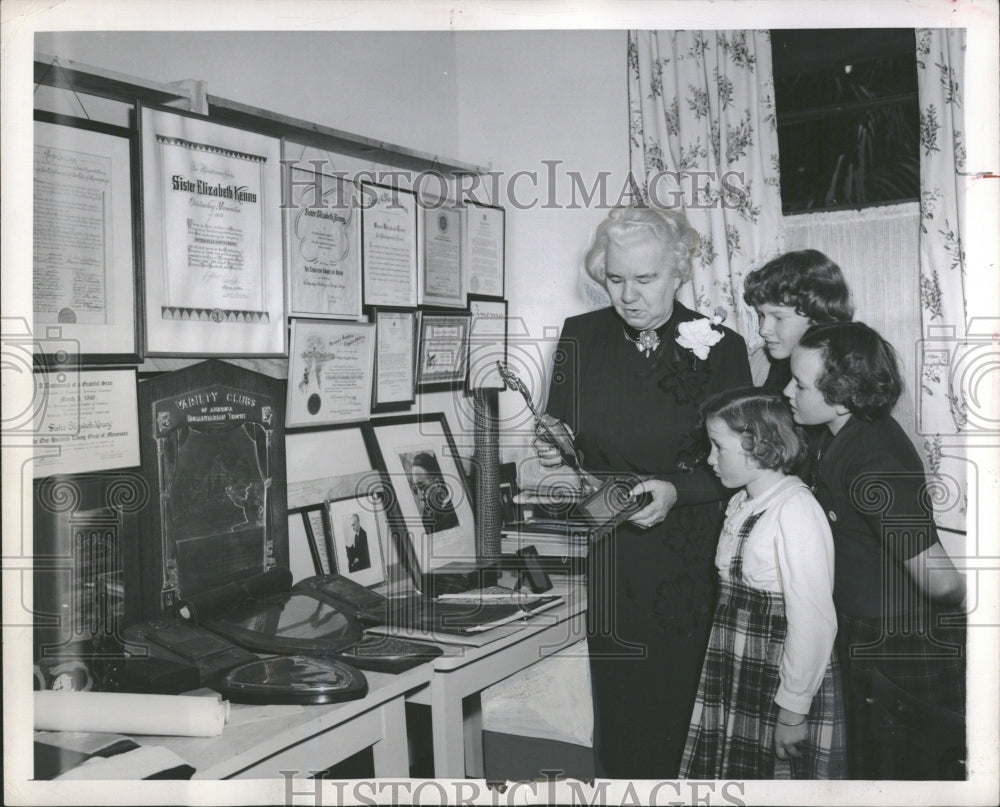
(389, 245)
(356, 542)
(484, 249)
(487, 342)
(429, 509)
(395, 359)
(85, 250)
(330, 367)
(309, 526)
(211, 238)
(443, 350)
(441, 275)
(322, 245)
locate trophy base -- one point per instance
(611, 504)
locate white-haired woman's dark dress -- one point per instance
(650, 591)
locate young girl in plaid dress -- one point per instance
(768, 703)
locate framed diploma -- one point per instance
(322, 245)
(484, 249)
(356, 542)
(395, 359)
(330, 372)
(441, 281)
(389, 245)
(430, 509)
(85, 421)
(212, 238)
(85, 253)
(487, 342)
(443, 351)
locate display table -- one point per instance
(260, 742)
(266, 742)
(464, 671)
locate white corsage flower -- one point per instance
(699, 336)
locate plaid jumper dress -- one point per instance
(731, 735)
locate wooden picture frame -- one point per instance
(85, 216)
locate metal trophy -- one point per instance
(605, 502)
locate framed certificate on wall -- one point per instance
(441, 277)
(84, 254)
(487, 342)
(484, 249)
(395, 359)
(212, 225)
(322, 245)
(330, 368)
(444, 351)
(389, 245)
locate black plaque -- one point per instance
(212, 440)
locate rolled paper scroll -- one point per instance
(126, 713)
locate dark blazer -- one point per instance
(594, 394)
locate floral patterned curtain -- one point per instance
(704, 138)
(941, 403)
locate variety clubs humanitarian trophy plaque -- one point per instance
(604, 502)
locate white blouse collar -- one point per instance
(741, 501)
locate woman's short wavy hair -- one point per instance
(764, 422)
(806, 280)
(624, 224)
(860, 368)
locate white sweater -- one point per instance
(789, 551)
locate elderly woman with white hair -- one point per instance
(627, 381)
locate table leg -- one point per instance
(390, 754)
(448, 730)
(473, 731)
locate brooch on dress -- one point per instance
(648, 341)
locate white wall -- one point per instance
(525, 97)
(510, 100)
(397, 87)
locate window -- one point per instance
(848, 119)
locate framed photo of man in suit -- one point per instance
(356, 541)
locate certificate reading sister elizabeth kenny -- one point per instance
(213, 251)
